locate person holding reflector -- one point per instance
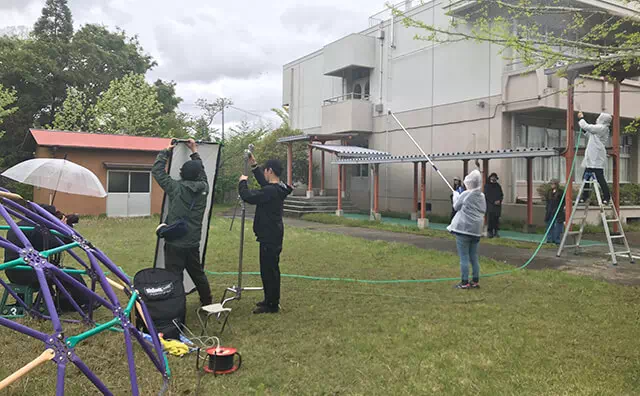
(183, 228)
(268, 226)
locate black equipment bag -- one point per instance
(163, 293)
(78, 296)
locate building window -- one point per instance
(357, 91)
(361, 170)
(123, 182)
(367, 90)
(546, 169)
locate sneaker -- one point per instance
(265, 309)
(474, 285)
(159, 229)
(462, 285)
(605, 202)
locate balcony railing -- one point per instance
(345, 97)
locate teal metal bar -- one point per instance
(30, 228)
(59, 249)
(73, 341)
(67, 270)
(132, 301)
(11, 264)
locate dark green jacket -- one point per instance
(181, 194)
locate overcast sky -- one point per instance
(232, 48)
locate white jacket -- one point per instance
(596, 153)
(470, 207)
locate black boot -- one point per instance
(266, 309)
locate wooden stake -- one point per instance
(47, 355)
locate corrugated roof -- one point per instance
(458, 156)
(50, 138)
(350, 151)
(314, 138)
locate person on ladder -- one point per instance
(595, 155)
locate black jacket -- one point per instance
(493, 193)
(553, 201)
(269, 201)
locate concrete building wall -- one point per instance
(94, 161)
(451, 97)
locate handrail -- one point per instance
(345, 97)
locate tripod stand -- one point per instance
(237, 289)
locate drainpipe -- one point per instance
(381, 38)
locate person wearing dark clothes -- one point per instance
(554, 200)
(494, 196)
(267, 226)
(187, 201)
(41, 240)
(457, 187)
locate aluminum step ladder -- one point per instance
(608, 214)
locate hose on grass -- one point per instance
(436, 280)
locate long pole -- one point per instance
(224, 105)
(421, 150)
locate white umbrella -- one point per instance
(57, 175)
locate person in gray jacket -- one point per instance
(467, 224)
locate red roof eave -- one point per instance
(49, 138)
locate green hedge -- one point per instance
(629, 192)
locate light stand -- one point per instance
(237, 289)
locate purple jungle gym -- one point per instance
(60, 347)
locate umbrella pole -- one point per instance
(57, 184)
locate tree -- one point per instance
(201, 130)
(269, 148)
(212, 109)
(55, 23)
(545, 33)
(76, 113)
(175, 125)
(7, 98)
(129, 107)
(99, 56)
(166, 92)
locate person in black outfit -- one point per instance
(268, 226)
(494, 196)
(554, 199)
(41, 240)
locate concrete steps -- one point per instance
(297, 206)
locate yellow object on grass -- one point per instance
(174, 347)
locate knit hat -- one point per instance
(191, 169)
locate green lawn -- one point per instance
(533, 332)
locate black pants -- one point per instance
(270, 272)
(606, 195)
(493, 223)
(177, 259)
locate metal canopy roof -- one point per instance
(475, 155)
(350, 151)
(313, 138)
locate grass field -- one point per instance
(529, 333)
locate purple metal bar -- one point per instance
(19, 215)
(111, 266)
(93, 289)
(90, 375)
(154, 335)
(70, 299)
(5, 244)
(37, 218)
(43, 213)
(132, 364)
(79, 286)
(14, 227)
(62, 366)
(48, 299)
(145, 346)
(73, 254)
(103, 281)
(24, 329)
